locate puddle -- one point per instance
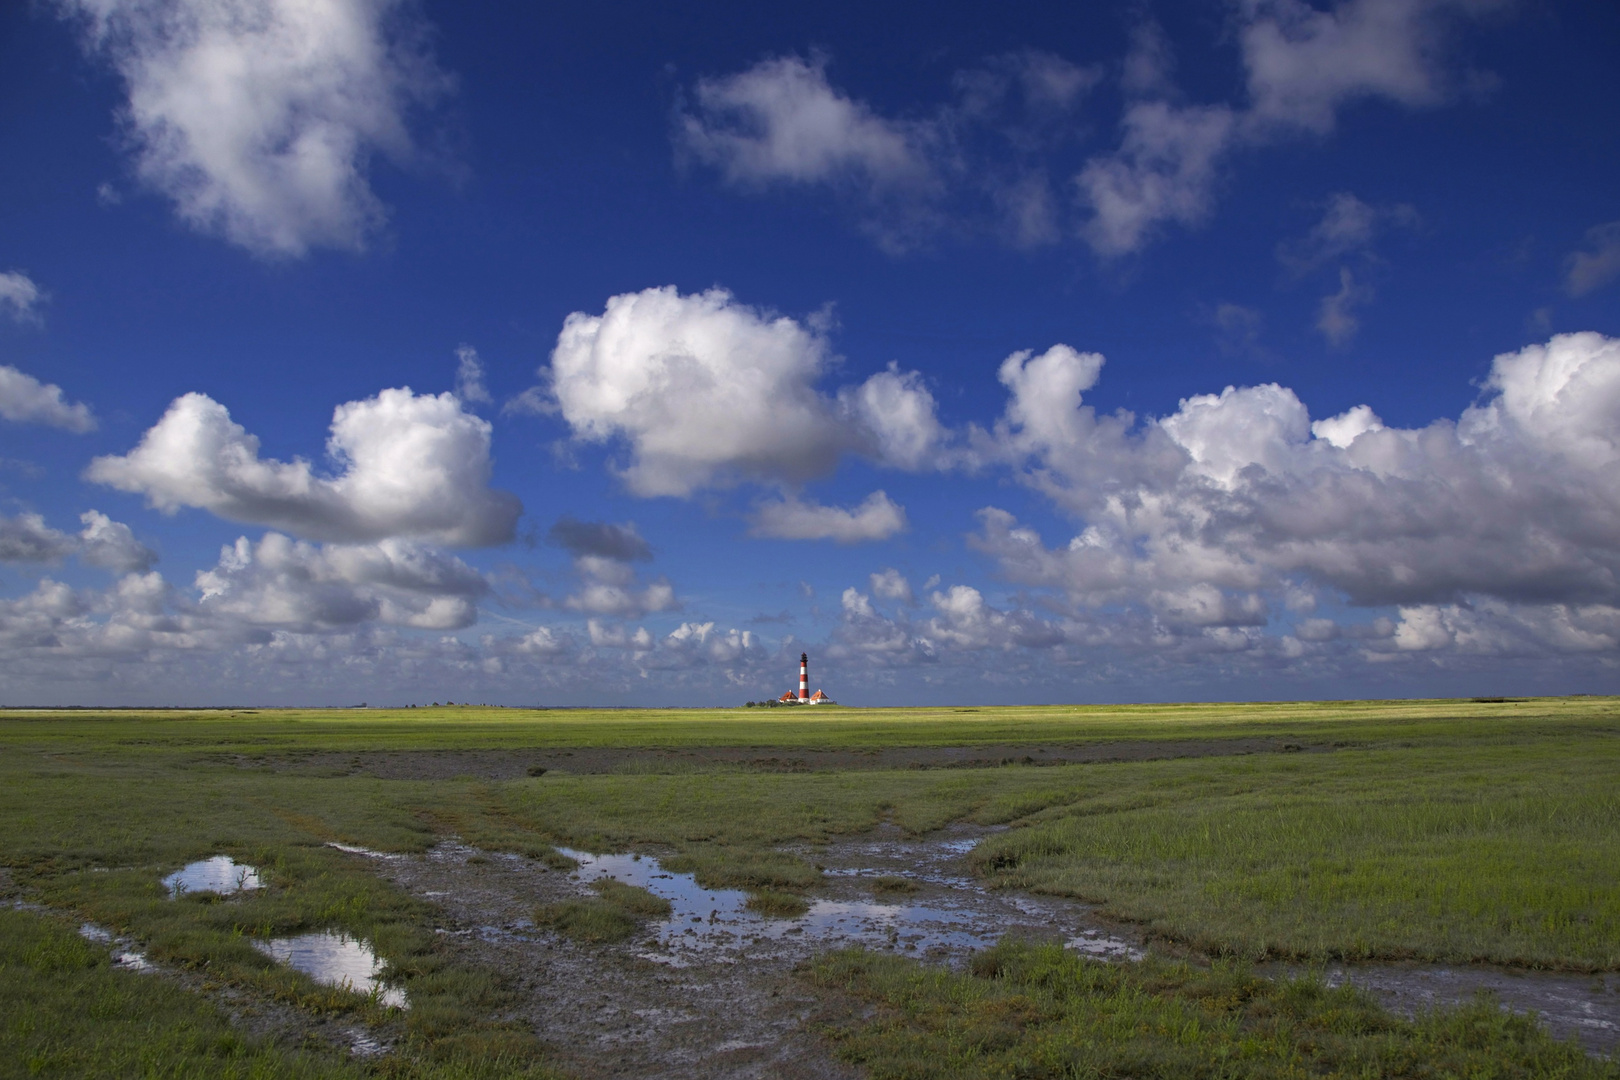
(122, 957)
(353, 849)
(947, 917)
(363, 1044)
(1097, 944)
(335, 960)
(1584, 1007)
(221, 874)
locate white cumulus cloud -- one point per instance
(976, 159)
(710, 392)
(1164, 170)
(1493, 628)
(983, 161)
(103, 542)
(413, 466)
(19, 296)
(112, 545)
(602, 554)
(891, 584)
(290, 584)
(897, 415)
(26, 400)
(258, 118)
(963, 622)
(608, 586)
(781, 120)
(1303, 65)
(1200, 515)
(876, 518)
(27, 539)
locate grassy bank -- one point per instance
(1041, 1012)
(1446, 830)
(279, 731)
(68, 1013)
(1504, 852)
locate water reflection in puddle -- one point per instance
(221, 874)
(1097, 944)
(122, 956)
(335, 960)
(950, 922)
(354, 849)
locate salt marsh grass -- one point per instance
(68, 1013)
(1508, 855)
(278, 732)
(632, 898)
(591, 920)
(781, 905)
(1038, 1011)
(1449, 830)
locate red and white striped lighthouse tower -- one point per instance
(804, 677)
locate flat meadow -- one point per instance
(1465, 832)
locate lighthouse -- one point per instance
(804, 696)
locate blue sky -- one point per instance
(402, 352)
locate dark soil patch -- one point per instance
(516, 764)
(606, 1010)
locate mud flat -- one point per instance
(609, 1010)
(710, 991)
(597, 760)
(1583, 1007)
(1459, 829)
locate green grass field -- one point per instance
(1438, 830)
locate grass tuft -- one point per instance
(632, 898)
(716, 867)
(594, 921)
(775, 904)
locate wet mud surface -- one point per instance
(628, 1010)
(710, 991)
(253, 1014)
(1581, 1007)
(515, 763)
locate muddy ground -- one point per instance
(712, 991)
(511, 764)
(609, 1010)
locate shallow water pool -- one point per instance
(952, 916)
(334, 959)
(220, 874)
